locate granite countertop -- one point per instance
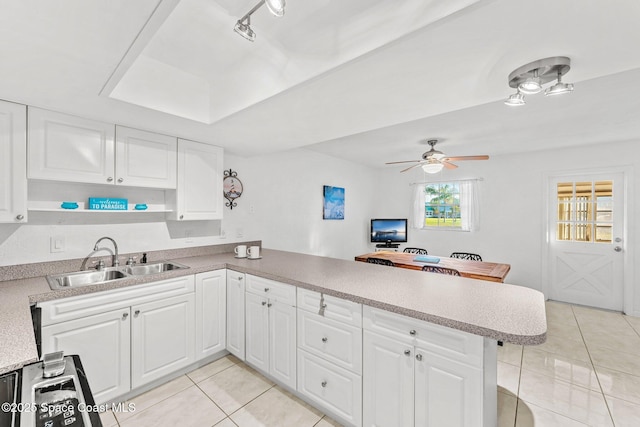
(499, 311)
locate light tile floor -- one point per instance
(586, 374)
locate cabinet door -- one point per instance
(13, 162)
(282, 343)
(211, 303)
(235, 313)
(257, 332)
(145, 159)
(447, 392)
(162, 337)
(69, 148)
(199, 192)
(103, 343)
(387, 382)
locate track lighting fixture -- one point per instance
(243, 26)
(529, 79)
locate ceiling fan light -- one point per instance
(515, 100)
(559, 88)
(276, 7)
(245, 30)
(432, 167)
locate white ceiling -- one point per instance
(366, 80)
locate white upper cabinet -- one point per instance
(68, 148)
(13, 162)
(199, 192)
(145, 159)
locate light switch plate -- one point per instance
(56, 244)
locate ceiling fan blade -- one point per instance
(404, 161)
(483, 157)
(411, 167)
(448, 165)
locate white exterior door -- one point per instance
(586, 225)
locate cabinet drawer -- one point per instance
(334, 308)
(335, 389)
(85, 305)
(271, 289)
(334, 341)
(457, 345)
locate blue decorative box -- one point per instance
(427, 258)
(108, 204)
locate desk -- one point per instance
(472, 269)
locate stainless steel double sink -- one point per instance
(94, 277)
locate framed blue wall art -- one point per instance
(333, 202)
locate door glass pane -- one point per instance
(603, 233)
(585, 211)
(564, 231)
(564, 211)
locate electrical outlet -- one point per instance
(56, 244)
(252, 209)
(239, 232)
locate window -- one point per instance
(445, 205)
(585, 211)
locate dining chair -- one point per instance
(380, 261)
(418, 251)
(441, 270)
(466, 255)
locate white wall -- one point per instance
(512, 203)
(285, 191)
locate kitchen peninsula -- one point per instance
(451, 323)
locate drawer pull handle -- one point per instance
(407, 352)
(20, 217)
(266, 289)
(240, 277)
(419, 357)
(323, 383)
(124, 316)
(109, 179)
(120, 180)
(412, 332)
(136, 313)
(325, 339)
(264, 303)
(269, 305)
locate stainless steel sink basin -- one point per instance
(154, 268)
(85, 278)
(94, 277)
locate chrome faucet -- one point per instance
(114, 255)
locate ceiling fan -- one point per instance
(433, 160)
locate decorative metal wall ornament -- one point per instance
(231, 188)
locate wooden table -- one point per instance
(474, 269)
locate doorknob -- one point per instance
(617, 249)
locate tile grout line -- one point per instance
(594, 368)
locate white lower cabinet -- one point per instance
(330, 354)
(334, 389)
(235, 313)
(103, 343)
(420, 374)
(127, 337)
(270, 329)
(211, 313)
(162, 338)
